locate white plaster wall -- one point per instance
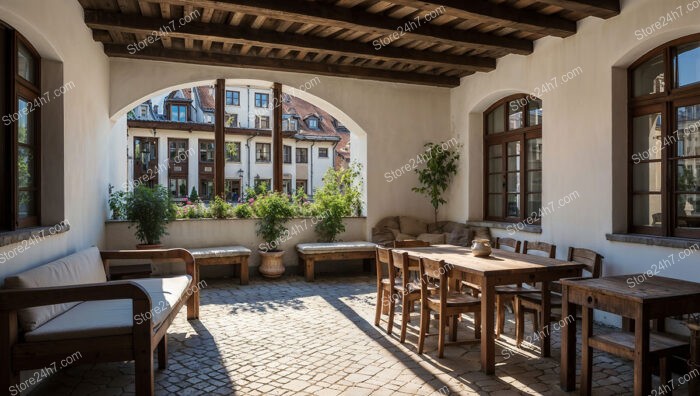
(390, 122)
(57, 30)
(577, 131)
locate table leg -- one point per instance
(244, 271)
(586, 351)
(642, 366)
(546, 320)
(567, 374)
(488, 343)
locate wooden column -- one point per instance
(219, 141)
(277, 137)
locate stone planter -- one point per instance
(271, 265)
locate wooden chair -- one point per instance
(383, 284)
(407, 291)
(447, 303)
(533, 302)
(410, 244)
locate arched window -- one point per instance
(664, 140)
(20, 103)
(513, 159)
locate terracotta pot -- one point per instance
(149, 247)
(271, 265)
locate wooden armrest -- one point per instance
(181, 254)
(15, 299)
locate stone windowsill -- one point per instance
(507, 226)
(678, 243)
(12, 237)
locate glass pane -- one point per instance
(688, 135)
(495, 120)
(514, 148)
(646, 210)
(647, 177)
(688, 175)
(534, 181)
(25, 63)
(495, 205)
(514, 182)
(515, 114)
(495, 165)
(25, 167)
(688, 210)
(649, 77)
(534, 153)
(646, 137)
(534, 203)
(534, 112)
(25, 123)
(496, 183)
(27, 204)
(513, 205)
(687, 64)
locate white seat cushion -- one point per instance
(335, 247)
(113, 317)
(224, 251)
(80, 268)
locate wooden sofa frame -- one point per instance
(139, 346)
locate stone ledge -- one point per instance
(504, 226)
(25, 234)
(679, 243)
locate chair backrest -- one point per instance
(592, 260)
(410, 243)
(546, 248)
(430, 271)
(508, 242)
(383, 257)
(399, 265)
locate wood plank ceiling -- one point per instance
(409, 41)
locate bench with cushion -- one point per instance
(309, 253)
(401, 228)
(55, 310)
(232, 255)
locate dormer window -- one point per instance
(178, 112)
(290, 125)
(144, 111)
(312, 122)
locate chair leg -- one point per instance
(519, 321)
(424, 324)
(441, 334)
(406, 305)
(163, 353)
(453, 328)
(501, 315)
(380, 303)
(392, 309)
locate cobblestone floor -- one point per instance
(289, 337)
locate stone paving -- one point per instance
(289, 337)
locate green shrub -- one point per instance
(220, 209)
(151, 209)
(340, 196)
(243, 211)
(274, 210)
(194, 197)
(117, 204)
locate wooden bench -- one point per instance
(310, 253)
(49, 312)
(224, 255)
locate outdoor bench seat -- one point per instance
(69, 306)
(231, 255)
(309, 253)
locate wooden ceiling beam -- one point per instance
(267, 38)
(501, 14)
(598, 8)
(327, 15)
(290, 65)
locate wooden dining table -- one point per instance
(500, 268)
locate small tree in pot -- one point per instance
(440, 168)
(274, 211)
(151, 209)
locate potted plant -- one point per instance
(340, 196)
(274, 210)
(435, 178)
(151, 209)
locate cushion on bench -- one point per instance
(223, 251)
(113, 317)
(79, 268)
(335, 247)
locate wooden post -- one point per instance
(219, 138)
(277, 137)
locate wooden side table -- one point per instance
(655, 298)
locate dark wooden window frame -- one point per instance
(259, 102)
(145, 177)
(521, 135)
(323, 150)
(269, 152)
(665, 103)
(182, 163)
(235, 98)
(234, 159)
(287, 154)
(178, 104)
(301, 159)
